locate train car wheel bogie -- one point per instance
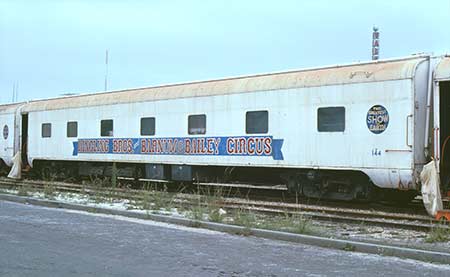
(293, 185)
(47, 173)
(138, 173)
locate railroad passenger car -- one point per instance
(337, 132)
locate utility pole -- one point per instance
(15, 92)
(106, 70)
(375, 44)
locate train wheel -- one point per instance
(138, 173)
(46, 173)
(293, 185)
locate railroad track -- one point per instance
(275, 193)
(398, 220)
(279, 193)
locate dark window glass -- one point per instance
(106, 128)
(72, 129)
(331, 119)
(147, 126)
(257, 122)
(197, 124)
(46, 130)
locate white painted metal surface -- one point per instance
(392, 159)
(292, 117)
(7, 130)
(442, 71)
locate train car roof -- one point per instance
(9, 108)
(373, 71)
(442, 71)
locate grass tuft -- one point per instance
(49, 191)
(154, 199)
(440, 233)
(24, 190)
(349, 247)
(295, 223)
(245, 219)
(198, 212)
(146, 202)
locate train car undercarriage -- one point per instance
(317, 184)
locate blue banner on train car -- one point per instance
(206, 146)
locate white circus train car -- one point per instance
(333, 132)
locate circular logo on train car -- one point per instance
(377, 119)
(5, 132)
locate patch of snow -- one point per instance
(9, 191)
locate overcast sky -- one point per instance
(55, 47)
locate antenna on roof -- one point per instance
(375, 43)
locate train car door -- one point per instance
(24, 140)
(444, 137)
(441, 107)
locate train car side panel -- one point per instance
(373, 138)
